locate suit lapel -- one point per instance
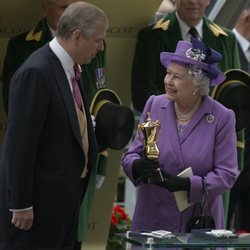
(172, 35)
(64, 88)
(91, 136)
(63, 85)
(243, 60)
(208, 36)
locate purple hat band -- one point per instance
(195, 53)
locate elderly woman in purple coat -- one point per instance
(196, 131)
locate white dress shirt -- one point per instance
(65, 59)
(185, 28)
(244, 44)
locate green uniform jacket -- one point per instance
(148, 73)
(18, 50)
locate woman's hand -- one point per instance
(144, 168)
(175, 183)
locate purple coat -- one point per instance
(207, 144)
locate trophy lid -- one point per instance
(149, 122)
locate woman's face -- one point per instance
(179, 84)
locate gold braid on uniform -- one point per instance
(217, 30)
(31, 36)
(162, 25)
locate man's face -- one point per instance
(87, 48)
(53, 10)
(191, 11)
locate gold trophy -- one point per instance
(150, 131)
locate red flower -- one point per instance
(120, 210)
(120, 223)
(114, 220)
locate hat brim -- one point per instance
(239, 75)
(114, 122)
(101, 97)
(168, 57)
(234, 93)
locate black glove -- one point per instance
(175, 183)
(144, 168)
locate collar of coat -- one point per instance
(37, 33)
(165, 23)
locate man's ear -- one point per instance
(247, 15)
(77, 34)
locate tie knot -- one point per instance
(193, 32)
(77, 72)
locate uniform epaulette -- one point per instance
(31, 36)
(104, 153)
(217, 30)
(162, 25)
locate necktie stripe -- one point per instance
(81, 115)
(76, 91)
(193, 32)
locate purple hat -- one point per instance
(196, 54)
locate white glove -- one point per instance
(93, 121)
(99, 181)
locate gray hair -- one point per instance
(199, 78)
(83, 16)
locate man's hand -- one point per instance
(99, 180)
(23, 219)
(93, 121)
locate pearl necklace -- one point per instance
(186, 117)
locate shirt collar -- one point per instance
(185, 28)
(244, 43)
(52, 31)
(65, 59)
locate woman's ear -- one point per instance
(197, 89)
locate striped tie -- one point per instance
(193, 32)
(76, 91)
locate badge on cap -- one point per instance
(210, 118)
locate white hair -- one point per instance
(199, 78)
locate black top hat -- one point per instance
(234, 93)
(114, 122)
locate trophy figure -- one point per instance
(150, 131)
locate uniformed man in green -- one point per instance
(147, 71)
(93, 74)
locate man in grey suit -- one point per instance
(50, 146)
(240, 193)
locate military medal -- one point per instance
(100, 78)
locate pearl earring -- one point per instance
(194, 93)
